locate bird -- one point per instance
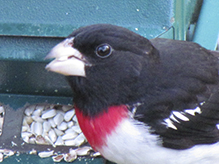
(141, 101)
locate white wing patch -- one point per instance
(180, 116)
(169, 124)
(193, 111)
(175, 116)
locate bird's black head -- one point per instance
(102, 63)
(92, 40)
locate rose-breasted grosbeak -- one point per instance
(141, 101)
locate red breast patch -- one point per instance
(97, 128)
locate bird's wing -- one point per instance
(184, 111)
(184, 128)
(193, 126)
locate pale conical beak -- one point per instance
(68, 60)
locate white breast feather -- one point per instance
(132, 143)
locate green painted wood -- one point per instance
(32, 49)
(186, 13)
(59, 18)
(207, 29)
(31, 78)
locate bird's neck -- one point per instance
(97, 128)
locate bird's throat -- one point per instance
(97, 128)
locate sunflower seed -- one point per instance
(95, 154)
(26, 139)
(46, 126)
(25, 128)
(70, 124)
(58, 132)
(45, 154)
(29, 110)
(26, 134)
(59, 141)
(66, 108)
(57, 158)
(33, 151)
(37, 119)
(38, 128)
(37, 112)
(49, 140)
(70, 130)
(68, 115)
(32, 127)
(71, 156)
(69, 142)
(79, 140)
(41, 140)
(28, 119)
(76, 128)
(52, 123)
(52, 135)
(70, 135)
(25, 122)
(32, 140)
(62, 126)
(83, 150)
(75, 119)
(49, 114)
(58, 119)
(40, 107)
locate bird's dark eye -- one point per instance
(103, 50)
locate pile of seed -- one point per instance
(2, 113)
(54, 125)
(51, 124)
